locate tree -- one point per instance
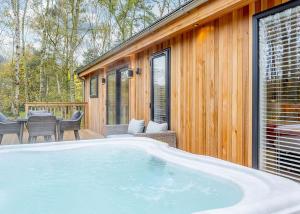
(43, 52)
(23, 51)
(62, 34)
(15, 4)
(75, 14)
(127, 15)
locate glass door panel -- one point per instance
(278, 91)
(160, 87)
(111, 99)
(118, 97)
(124, 97)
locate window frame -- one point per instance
(255, 76)
(97, 86)
(167, 53)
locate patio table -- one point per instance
(23, 121)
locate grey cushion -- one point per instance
(136, 126)
(3, 118)
(156, 127)
(75, 115)
(119, 135)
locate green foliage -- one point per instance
(67, 34)
(6, 87)
(89, 55)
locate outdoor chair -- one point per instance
(10, 127)
(72, 124)
(121, 130)
(41, 126)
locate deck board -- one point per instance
(85, 134)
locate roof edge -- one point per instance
(190, 5)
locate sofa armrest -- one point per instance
(115, 129)
(168, 137)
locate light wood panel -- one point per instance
(211, 85)
(96, 106)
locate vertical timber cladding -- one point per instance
(211, 84)
(95, 105)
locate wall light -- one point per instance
(130, 73)
(103, 81)
(138, 71)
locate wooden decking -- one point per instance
(85, 134)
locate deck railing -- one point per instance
(60, 109)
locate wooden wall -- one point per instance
(96, 106)
(211, 86)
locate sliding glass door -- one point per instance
(117, 106)
(277, 91)
(160, 102)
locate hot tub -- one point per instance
(134, 175)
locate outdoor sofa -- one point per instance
(124, 130)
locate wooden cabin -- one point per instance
(202, 55)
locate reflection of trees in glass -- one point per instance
(282, 42)
(118, 97)
(279, 46)
(111, 98)
(124, 98)
(160, 99)
(94, 87)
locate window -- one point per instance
(160, 93)
(276, 110)
(117, 108)
(94, 87)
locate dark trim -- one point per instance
(255, 96)
(97, 86)
(255, 85)
(167, 53)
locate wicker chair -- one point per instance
(41, 126)
(168, 137)
(10, 127)
(72, 124)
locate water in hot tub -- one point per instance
(110, 179)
